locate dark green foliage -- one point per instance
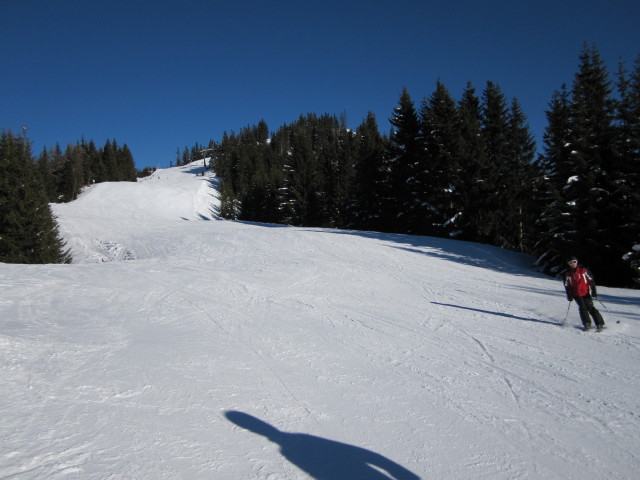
(28, 230)
(495, 134)
(591, 159)
(591, 176)
(520, 212)
(462, 170)
(300, 176)
(252, 175)
(505, 215)
(432, 176)
(65, 173)
(438, 175)
(474, 167)
(555, 219)
(405, 155)
(145, 172)
(301, 195)
(626, 177)
(369, 190)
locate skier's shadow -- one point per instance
(324, 459)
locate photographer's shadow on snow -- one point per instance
(324, 459)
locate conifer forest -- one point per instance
(465, 168)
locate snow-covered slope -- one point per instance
(227, 350)
(127, 221)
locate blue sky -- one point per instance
(161, 75)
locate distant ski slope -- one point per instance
(125, 220)
(180, 346)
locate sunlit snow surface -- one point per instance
(181, 346)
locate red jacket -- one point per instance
(578, 281)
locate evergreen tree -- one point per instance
(98, 170)
(367, 207)
(475, 191)
(556, 217)
(94, 168)
(519, 213)
(48, 178)
(302, 195)
(405, 156)
(229, 203)
(72, 176)
(185, 157)
(211, 148)
(56, 166)
(110, 159)
(592, 162)
(126, 164)
(257, 177)
(589, 179)
(28, 230)
(262, 132)
(334, 147)
(495, 134)
(437, 176)
(626, 179)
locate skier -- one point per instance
(579, 285)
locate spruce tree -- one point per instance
(259, 177)
(626, 181)
(72, 175)
(367, 208)
(126, 163)
(186, 157)
(301, 195)
(495, 134)
(556, 217)
(593, 161)
(334, 147)
(588, 166)
(49, 179)
(474, 168)
(229, 202)
(405, 156)
(110, 160)
(327, 151)
(97, 172)
(438, 175)
(28, 230)
(519, 213)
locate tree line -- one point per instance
(28, 230)
(66, 173)
(462, 168)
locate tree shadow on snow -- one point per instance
(499, 314)
(324, 459)
(196, 168)
(459, 251)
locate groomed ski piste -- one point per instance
(182, 346)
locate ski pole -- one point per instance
(605, 307)
(567, 315)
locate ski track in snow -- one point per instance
(342, 354)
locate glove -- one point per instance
(594, 292)
(570, 298)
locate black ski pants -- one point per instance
(585, 304)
